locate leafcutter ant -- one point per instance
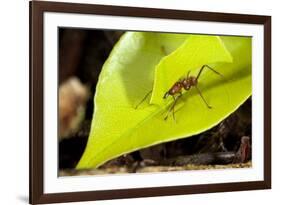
(183, 84)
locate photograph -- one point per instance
(129, 102)
(149, 102)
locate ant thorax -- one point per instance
(188, 82)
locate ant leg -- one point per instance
(172, 108)
(206, 66)
(143, 99)
(202, 97)
(167, 115)
(174, 105)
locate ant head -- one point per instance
(193, 81)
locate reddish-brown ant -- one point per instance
(186, 84)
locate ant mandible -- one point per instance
(186, 84)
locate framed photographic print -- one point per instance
(135, 102)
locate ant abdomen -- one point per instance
(177, 87)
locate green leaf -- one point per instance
(128, 75)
